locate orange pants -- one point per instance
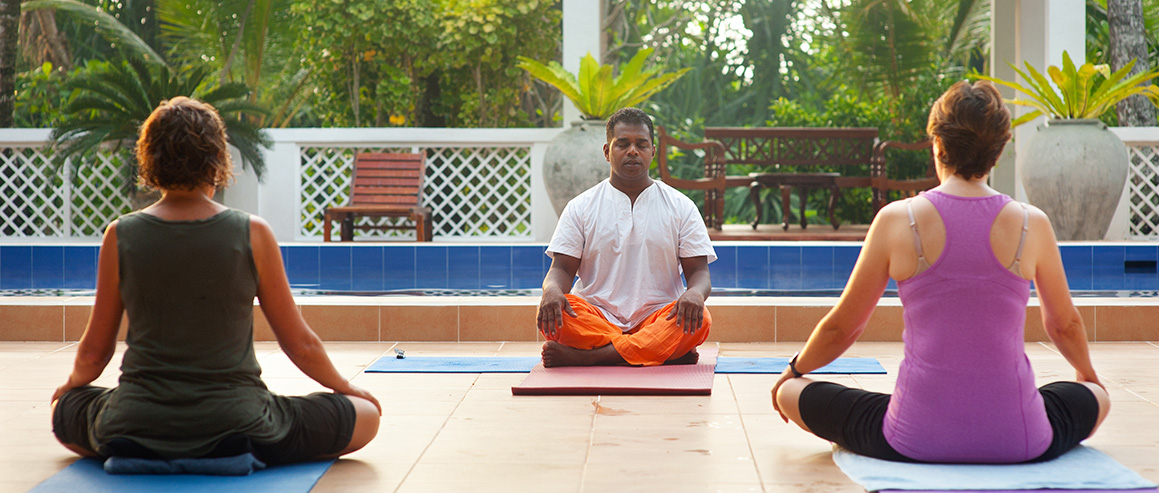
(652, 342)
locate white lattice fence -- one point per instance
(34, 201)
(1143, 193)
(472, 191)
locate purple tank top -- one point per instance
(965, 391)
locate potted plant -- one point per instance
(1074, 168)
(113, 100)
(574, 161)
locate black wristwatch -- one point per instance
(793, 366)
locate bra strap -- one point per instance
(913, 226)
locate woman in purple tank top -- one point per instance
(963, 256)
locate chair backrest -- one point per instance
(795, 146)
(883, 184)
(388, 179)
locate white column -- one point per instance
(1003, 52)
(1045, 28)
(243, 192)
(277, 198)
(581, 35)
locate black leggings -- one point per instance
(855, 418)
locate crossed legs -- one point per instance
(589, 339)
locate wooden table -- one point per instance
(786, 182)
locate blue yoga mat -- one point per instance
(454, 364)
(777, 365)
(1083, 468)
(88, 475)
(524, 364)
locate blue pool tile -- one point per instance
(785, 267)
(15, 267)
(463, 267)
(528, 266)
(431, 267)
(1107, 267)
(495, 267)
(817, 268)
(80, 267)
(366, 272)
(1142, 276)
(398, 266)
(302, 266)
(844, 258)
(334, 268)
(723, 271)
(1078, 264)
(752, 267)
(48, 267)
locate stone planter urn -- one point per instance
(1075, 171)
(574, 161)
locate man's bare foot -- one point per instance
(556, 354)
(689, 358)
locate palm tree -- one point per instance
(113, 101)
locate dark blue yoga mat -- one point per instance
(524, 364)
(454, 364)
(726, 364)
(88, 475)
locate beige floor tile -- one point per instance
(466, 432)
(491, 477)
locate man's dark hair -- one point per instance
(631, 116)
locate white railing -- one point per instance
(1141, 197)
(483, 184)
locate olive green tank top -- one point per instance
(189, 376)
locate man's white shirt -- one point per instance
(630, 254)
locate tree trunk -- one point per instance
(1125, 19)
(9, 34)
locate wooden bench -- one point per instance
(886, 189)
(383, 185)
(784, 150)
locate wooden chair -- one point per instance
(713, 183)
(384, 185)
(883, 186)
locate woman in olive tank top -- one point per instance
(185, 271)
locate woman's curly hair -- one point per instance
(972, 125)
(183, 147)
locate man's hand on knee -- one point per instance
(688, 311)
(549, 317)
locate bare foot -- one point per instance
(556, 354)
(689, 358)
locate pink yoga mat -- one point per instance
(623, 380)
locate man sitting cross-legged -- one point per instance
(628, 238)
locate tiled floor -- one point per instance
(468, 433)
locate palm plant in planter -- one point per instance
(1073, 168)
(574, 161)
(113, 101)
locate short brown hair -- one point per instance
(972, 125)
(183, 146)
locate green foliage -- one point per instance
(109, 27)
(596, 93)
(1087, 91)
(111, 100)
(40, 95)
(435, 63)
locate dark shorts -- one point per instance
(854, 418)
(322, 424)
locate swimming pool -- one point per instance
(743, 267)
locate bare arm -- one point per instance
(1060, 318)
(841, 327)
(297, 340)
(689, 309)
(553, 303)
(99, 340)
